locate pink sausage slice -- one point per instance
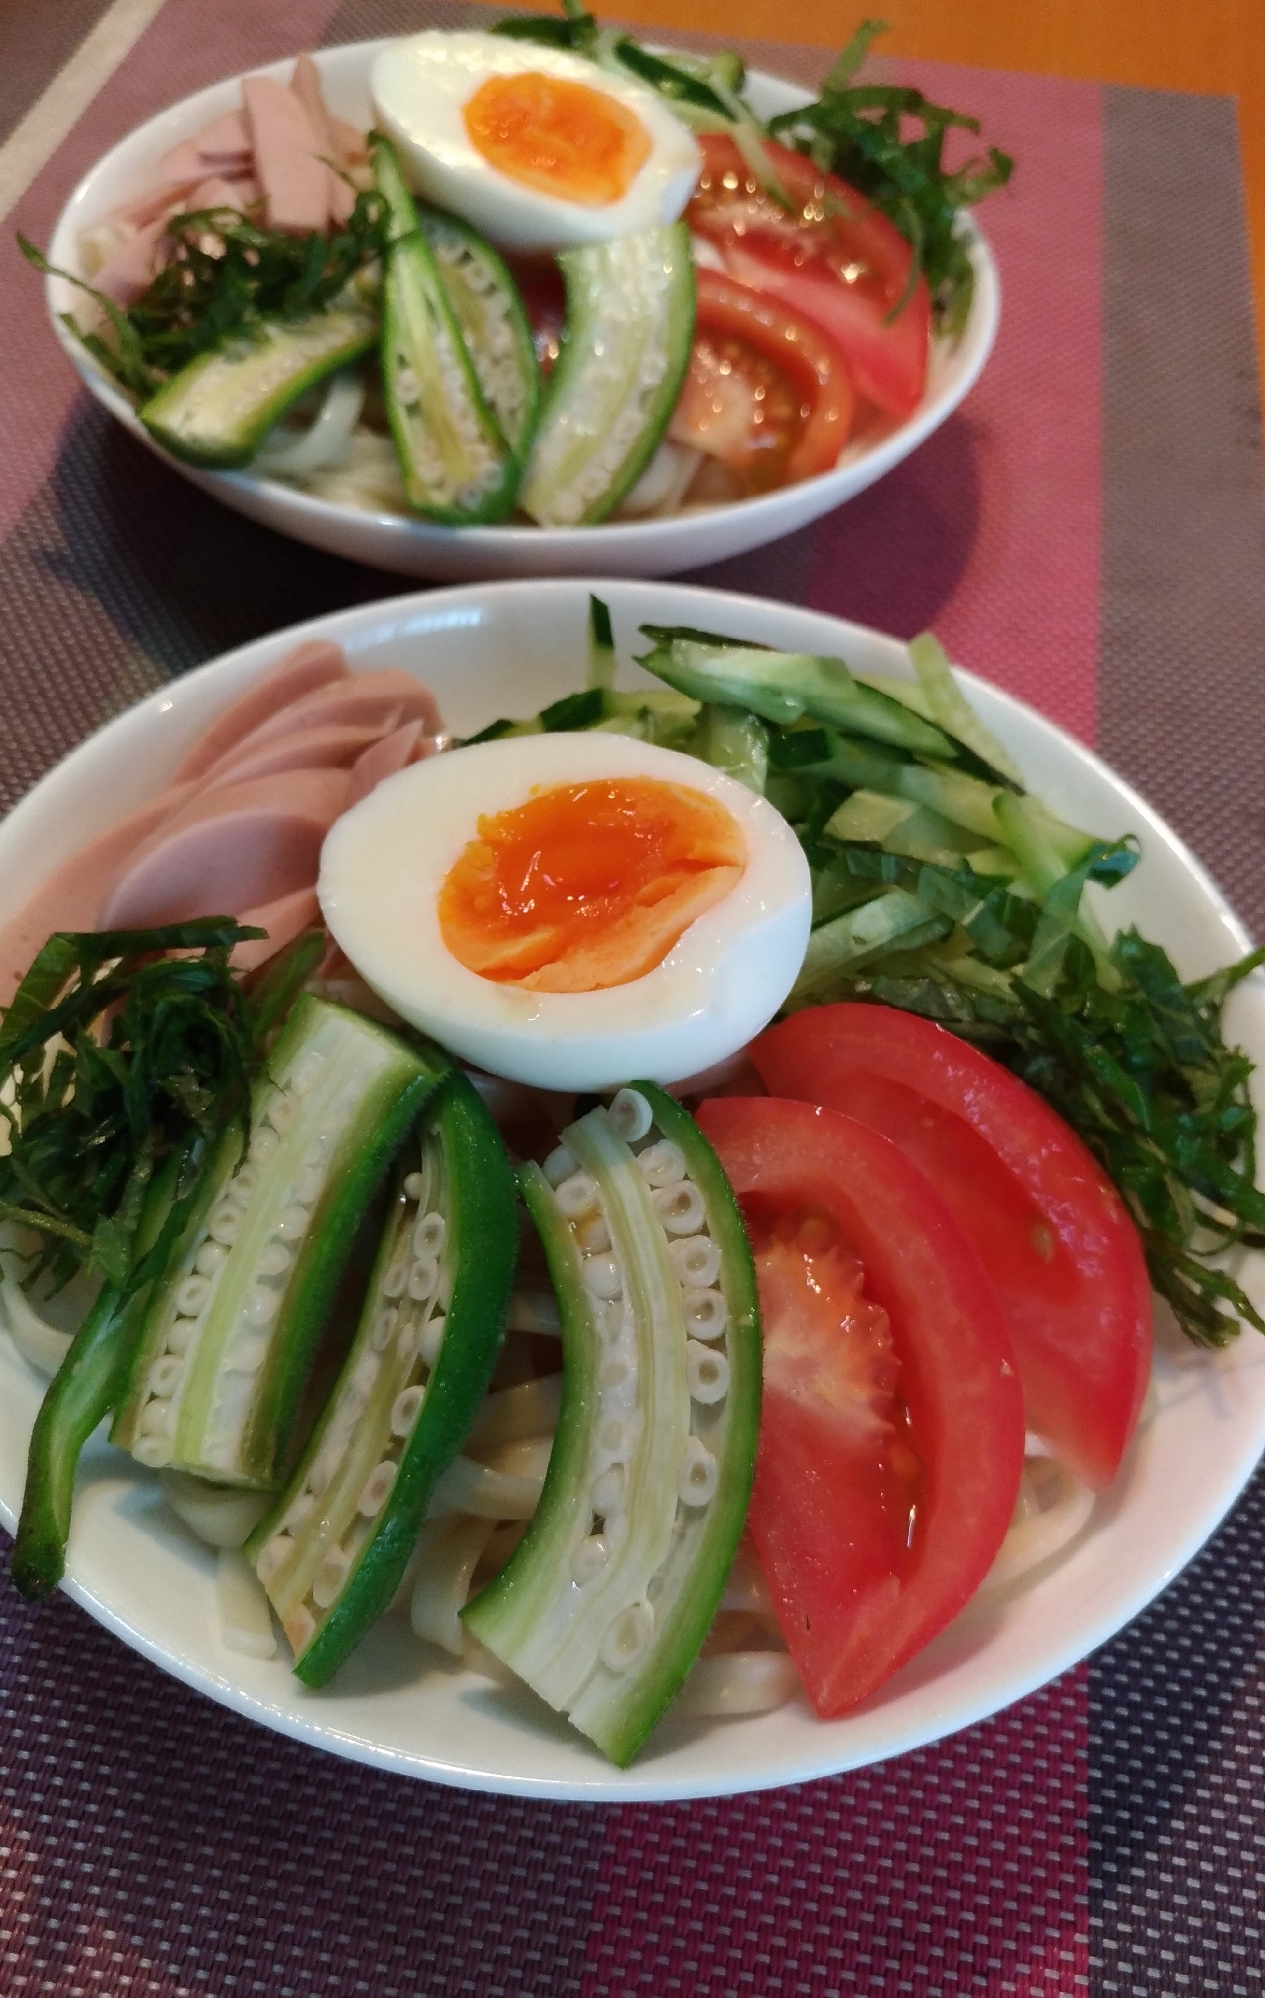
(72, 896)
(285, 919)
(391, 753)
(316, 663)
(225, 141)
(338, 747)
(294, 178)
(230, 850)
(128, 272)
(384, 700)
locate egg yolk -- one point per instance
(588, 885)
(559, 137)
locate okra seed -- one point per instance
(408, 1342)
(367, 1369)
(263, 1144)
(275, 1260)
(166, 1374)
(377, 1489)
(191, 1295)
(608, 1491)
(329, 1577)
(577, 1196)
(223, 1226)
(706, 1313)
(307, 1072)
(680, 1208)
(319, 1150)
(707, 1372)
(384, 1328)
(210, 1259)
(292, 1224)
(260, 1305)
(429, 1235)
(629, 1115)
(324, 1466)
(559, 1165)
(696, 1260)
(422, 1279)
(432, 1338)
(246, 1354)
(699, 1476)
(628, 1637)
(610, 1320)
(272, 1556)
(414, 1186)
(614, 1374)
(246, 1179)
(404, 1410)
(300, 1513)
(156, 1418)
(152, 1450)
(593, 1236)
(180, 1335)
(611, 1436)
(590, 1559)
(308, 1181)
(662, 1164)
(280, 1112)
(603, 1277)
(395, 1279)
(299, 1626)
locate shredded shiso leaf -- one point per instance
(226, 274)
(119, 1049)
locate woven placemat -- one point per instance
(1089, 532)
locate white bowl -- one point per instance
(510, 648)
(417, 547)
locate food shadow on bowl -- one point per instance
(892, 556)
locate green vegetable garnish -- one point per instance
(859, 131)
(226, 274)
(116, 1055)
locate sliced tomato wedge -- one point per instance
(891, 1432)
(766, 392)
(1050, 1229)
(831, 258)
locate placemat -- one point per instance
(1089, 532)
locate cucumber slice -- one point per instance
(454, 460)
(493, 324)
(332, 1552)
(630, 323)
(229, 1335)
(218, 410)
(782, 686)
(603, 1606)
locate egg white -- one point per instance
(420, 86)
(384, 862)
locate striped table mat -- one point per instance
(1088, 532)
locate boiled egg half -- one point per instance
(535, 146)
(571, 910)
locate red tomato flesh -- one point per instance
(766, 392)
(832, 259)
(892, 1429)
(1050, 1229)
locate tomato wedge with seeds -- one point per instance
(831, 258)
(892, 1430)
(1050, 1229)
(766, 392)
